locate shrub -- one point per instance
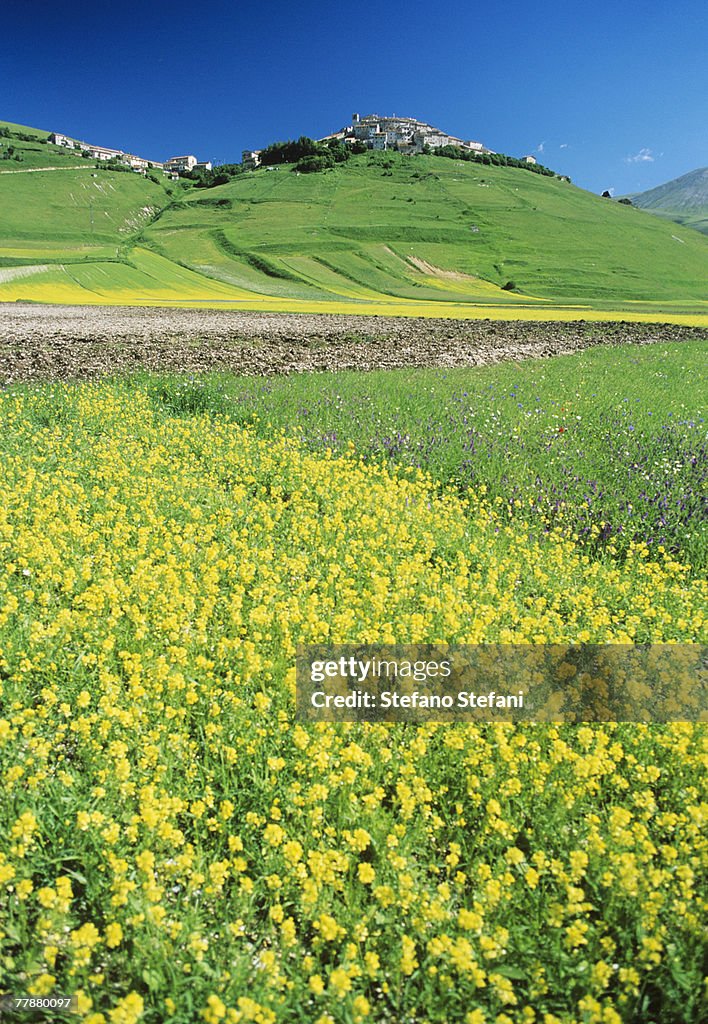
(312, 164)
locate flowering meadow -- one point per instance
(176, 847)
(611, 443)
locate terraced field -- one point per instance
(431, 230)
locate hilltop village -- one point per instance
(372, 132)
(403, 134)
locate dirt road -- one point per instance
(36, 170)
(84, 342)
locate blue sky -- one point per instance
(613, 94)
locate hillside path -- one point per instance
(35, 170)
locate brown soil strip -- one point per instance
(84, 343)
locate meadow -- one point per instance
(175, 847)
(610, 443)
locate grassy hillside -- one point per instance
(375, 222)
(24, 129)
(386, 233)
(74, 207)
(68, 231)
(23, 148)
(684, 199)
(56, 207)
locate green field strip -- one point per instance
(353, 269)
(223, 265)
(419, 286)
(311, 270)
(212, 254)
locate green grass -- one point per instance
(365, 222)
(382, 233)
(36, 151)
(72, 208)
(610, 443)
(25, 129)
(697, 220)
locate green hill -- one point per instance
(684, 200)
(376, 221)
(383, 232)
(15, 130)
(23, 148)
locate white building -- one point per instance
(62, 140)
(104, 153)
(436, 140)
(138, 163)
(181, 163)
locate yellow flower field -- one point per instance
(175, 847)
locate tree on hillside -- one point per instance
(290, 152)
(316, 162)
(339, 151)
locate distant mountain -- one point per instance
(684, 199)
